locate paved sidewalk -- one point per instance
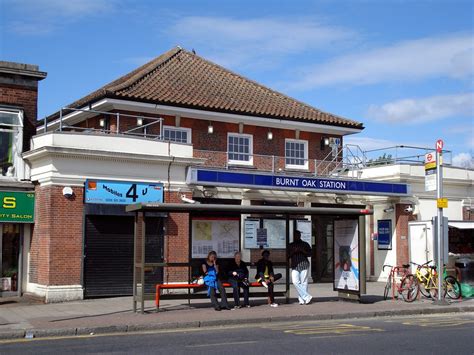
(112, 315)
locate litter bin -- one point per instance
(466, 268)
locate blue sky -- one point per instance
(403, 68)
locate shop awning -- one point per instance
(462, 225)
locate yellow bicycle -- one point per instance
(427, 279)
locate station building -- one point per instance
(181, 129)
(18, 117)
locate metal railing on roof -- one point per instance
(105, 125)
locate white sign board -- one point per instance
(430, 171)
(220, 235)
(250, 233)
(346, 255)
(304, 227)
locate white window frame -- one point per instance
(184, 129)
(306, 159)
(250, 153)
(18, 163)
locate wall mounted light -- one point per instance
(102, 122)
(210, 128)
(140, 121)
(324, 142)
(389, 209)
(270, 135)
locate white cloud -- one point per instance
(39, 17)
(368, 143)
(256, 41)
(431, 57)
(464, 160)
(424, 109)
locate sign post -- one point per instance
(440, 228)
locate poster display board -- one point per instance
(346, 255)
(250, 233)
(304, 227)
(384, 234)
(218, 234)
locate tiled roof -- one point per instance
(184, 79)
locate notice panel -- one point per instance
(218, 234)
(346, 255)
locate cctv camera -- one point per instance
(187, 200)
(68, 192)
(409, 209)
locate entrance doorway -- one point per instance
(322, 258)
(10, 259)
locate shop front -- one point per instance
(16, 215)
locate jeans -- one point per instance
(213, 295)
(276, 277)
(300, 281)
(236, 285)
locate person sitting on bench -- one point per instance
(239, 277)
(211, 279)
(266, 276)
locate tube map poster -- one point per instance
(220, 235)
(346, 255)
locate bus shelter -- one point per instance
(349, 258)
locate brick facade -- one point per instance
(56, 243)
(401, 220)
(467, 214)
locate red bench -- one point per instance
(160, 287)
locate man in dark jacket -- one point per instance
(266, 276)
(239, 277)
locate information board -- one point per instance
(384, 232)
(250, 233)
(304, 227)
(122, 192)
(346, 255)
(218, 234)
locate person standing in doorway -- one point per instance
(299, 251)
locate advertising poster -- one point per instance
(384, 231)
(220, 235)
(346, 255)
(122, 192)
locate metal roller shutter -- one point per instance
(108, 250)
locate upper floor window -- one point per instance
(11, 141)
(177, 134)
(296, 154)
(240, 148)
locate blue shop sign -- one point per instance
(384, 231)
(122, 192)
(282, 182)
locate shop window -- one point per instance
(177, 134)
(11, 141)
(239, 149)
(296, 154)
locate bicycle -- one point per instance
(428, 282)
(407, 287)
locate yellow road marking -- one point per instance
(334, 329)
(221, 344)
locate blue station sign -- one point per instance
(384, 231)
(122, 192)
(266, 181)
